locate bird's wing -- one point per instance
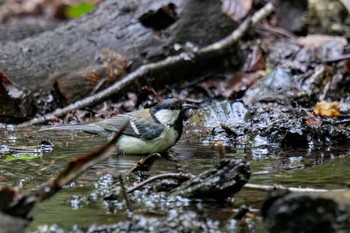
(147, 130)
(136, 126)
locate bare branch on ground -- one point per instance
(267, 188)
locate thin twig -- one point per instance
(267, 188)
(24, 205)
(76, 167)
(144, 164)
(218, 48)
(178, 176)
(125, 194)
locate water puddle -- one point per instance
(323, 168)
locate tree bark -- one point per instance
(75, 58)
(307, 212)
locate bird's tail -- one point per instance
(93, 129)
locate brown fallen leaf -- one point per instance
(347, 66)
(311, 121)
(236, 9)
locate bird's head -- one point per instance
(170, 111)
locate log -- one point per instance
(222, 181)
(285, 212)
(77, 57)
(218, 183)
(18, 30)
(178, 63)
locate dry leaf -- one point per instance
(312, 122)
(327, 109)
(221, 149)
(255, 60)
(236, 9)
(323, 46)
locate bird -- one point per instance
(149, 130)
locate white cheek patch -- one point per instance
(167, 116)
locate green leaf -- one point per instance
(22, 156)
(79, 9)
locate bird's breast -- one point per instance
(133, 145)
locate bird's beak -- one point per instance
(186, 106)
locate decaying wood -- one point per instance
(171, 65)
(218, 183)
(73, 56)
(19, 30)
(307, 212)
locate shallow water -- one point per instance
(321, 168)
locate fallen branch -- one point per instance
(218, 183)
(219, 48)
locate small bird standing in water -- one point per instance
(149, 130)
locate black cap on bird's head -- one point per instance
(171, 104)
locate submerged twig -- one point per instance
(267, 188)
(178, 176)
(125, 193)
(215, 49)
(144, 165)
